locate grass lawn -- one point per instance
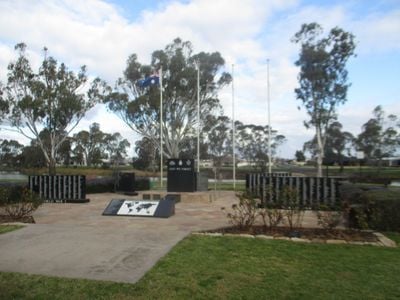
(8, 228)
(202, 267)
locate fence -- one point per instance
(310, 191)
(59, 188)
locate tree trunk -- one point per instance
(52, 166)
(320, 152)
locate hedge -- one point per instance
(372, 207)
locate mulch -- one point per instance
(306, 233)
(8, 219)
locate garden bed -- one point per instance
(8, 219)
(309, 234)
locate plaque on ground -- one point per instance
(140, 208)
(181, 175)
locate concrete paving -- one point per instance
(75, 240)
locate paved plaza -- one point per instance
(77, 241)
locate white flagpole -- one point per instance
(269, 120)
(233, 132)
(198, 117)
(161, 131)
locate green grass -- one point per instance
(202, 267)
(8, 228)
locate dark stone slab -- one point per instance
(113, 207)
(126, 182)
(181, 175)
(165, 208)
(140, 208)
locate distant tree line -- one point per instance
(86, 148)
(379, 138)
(46, 106)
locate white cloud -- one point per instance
(378, 32)
(246, 33)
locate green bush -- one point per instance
(372, 207)
(271, 216)
(100, 185)
(142, 184)
(18, 202)
(328, 217)
(244, 214)
(293, 210)
(106, 185)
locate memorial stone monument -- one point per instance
(181, 175)
(126, 183)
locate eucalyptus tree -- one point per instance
(252, 143)
(339, 144)
(139, 107)
(54, 99)
(147, 155)
(116, 147)
(89, 146)
(379, 137)
(322, 78)
(219, 138)
(299, 155)
(10, 152)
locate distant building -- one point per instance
(392, 161)
(206, 163)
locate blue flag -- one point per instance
(149, 81)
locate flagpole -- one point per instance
(269, 120)
(233, 132)
(198, 117)
(161, 131)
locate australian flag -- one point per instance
(149, 81)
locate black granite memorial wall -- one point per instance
(181, 175)
(59, 188)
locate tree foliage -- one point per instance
(300, 156)
(139, 107)
(219, 138)
(252, 143)
(147, 155)
(115, 146)
(93, 146)
(89, 145)
(51, 99)
(10, 153)
(338, 146)
(322, 77)
(379, 137)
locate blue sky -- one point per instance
(102, 34)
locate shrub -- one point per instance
(271, 216)
(328, 217)
(142, 184)
(293, 210)
(107, 185)
(100, 185)
(244, 214)
(372, 207)
(18, 202)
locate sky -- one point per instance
(247, 33)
